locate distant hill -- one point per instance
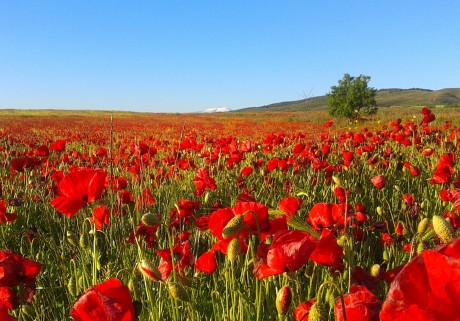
(385, 98)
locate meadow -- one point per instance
(235, 216)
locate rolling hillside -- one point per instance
(385, 98)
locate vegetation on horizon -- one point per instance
(352, 98)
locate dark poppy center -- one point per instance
(85, 198)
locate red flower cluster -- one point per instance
(360, 305)
(15, 271)
(203, 181)
(109, 300)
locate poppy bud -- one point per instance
(206, 198)
(337, 181)
(131, 285)
(375, 270)
(149, 271)
(316, 313)
(379, 210)
(84, 241)
(443, 229)
(150, 219)
(72, 238)
(235, 225)
(420, 247)
(177, 291)
(428, 235)
(330, 297)
(81, 282)
(406, 233)
(342, 240)
(234, 249)
(386, 256)
(28, 310)
(378, 181)
(283, 300)
(422, 226)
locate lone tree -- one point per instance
(352, 97)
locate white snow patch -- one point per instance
(216, 110)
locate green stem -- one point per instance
(94, 254)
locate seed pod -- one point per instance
(72, 238)
(283, 300)
(234, 249)
(178, 292)
(375, 270)
(150, 271)
(150, 219)
(420, 247)
(342, 241)
(235, 225)
(443, 229)
(422, 226)
(316, 313)
(330, 297)
(72, 286)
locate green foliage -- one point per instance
(352, 97)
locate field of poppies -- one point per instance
(288, 216)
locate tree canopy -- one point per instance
(352, 97)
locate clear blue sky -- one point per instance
(183, 56)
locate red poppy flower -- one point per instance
(148, 233)
(255, 215)
(109, 300)
(246, 171)
(360, 305)
(302, 311)
(328, 124)
(444, 170)
(206, 262)
(8, 299)
(15, 269)
(378, 181)
(327, 250)
(4, 316)
(4, 216)
(427, 288)
(77, 189)
(427, 151)
(325, 215)
(100, 217)
(182, 257)
(58, 146)
(290, 205)
(21, 163)
(289, 251)
(203, 181)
